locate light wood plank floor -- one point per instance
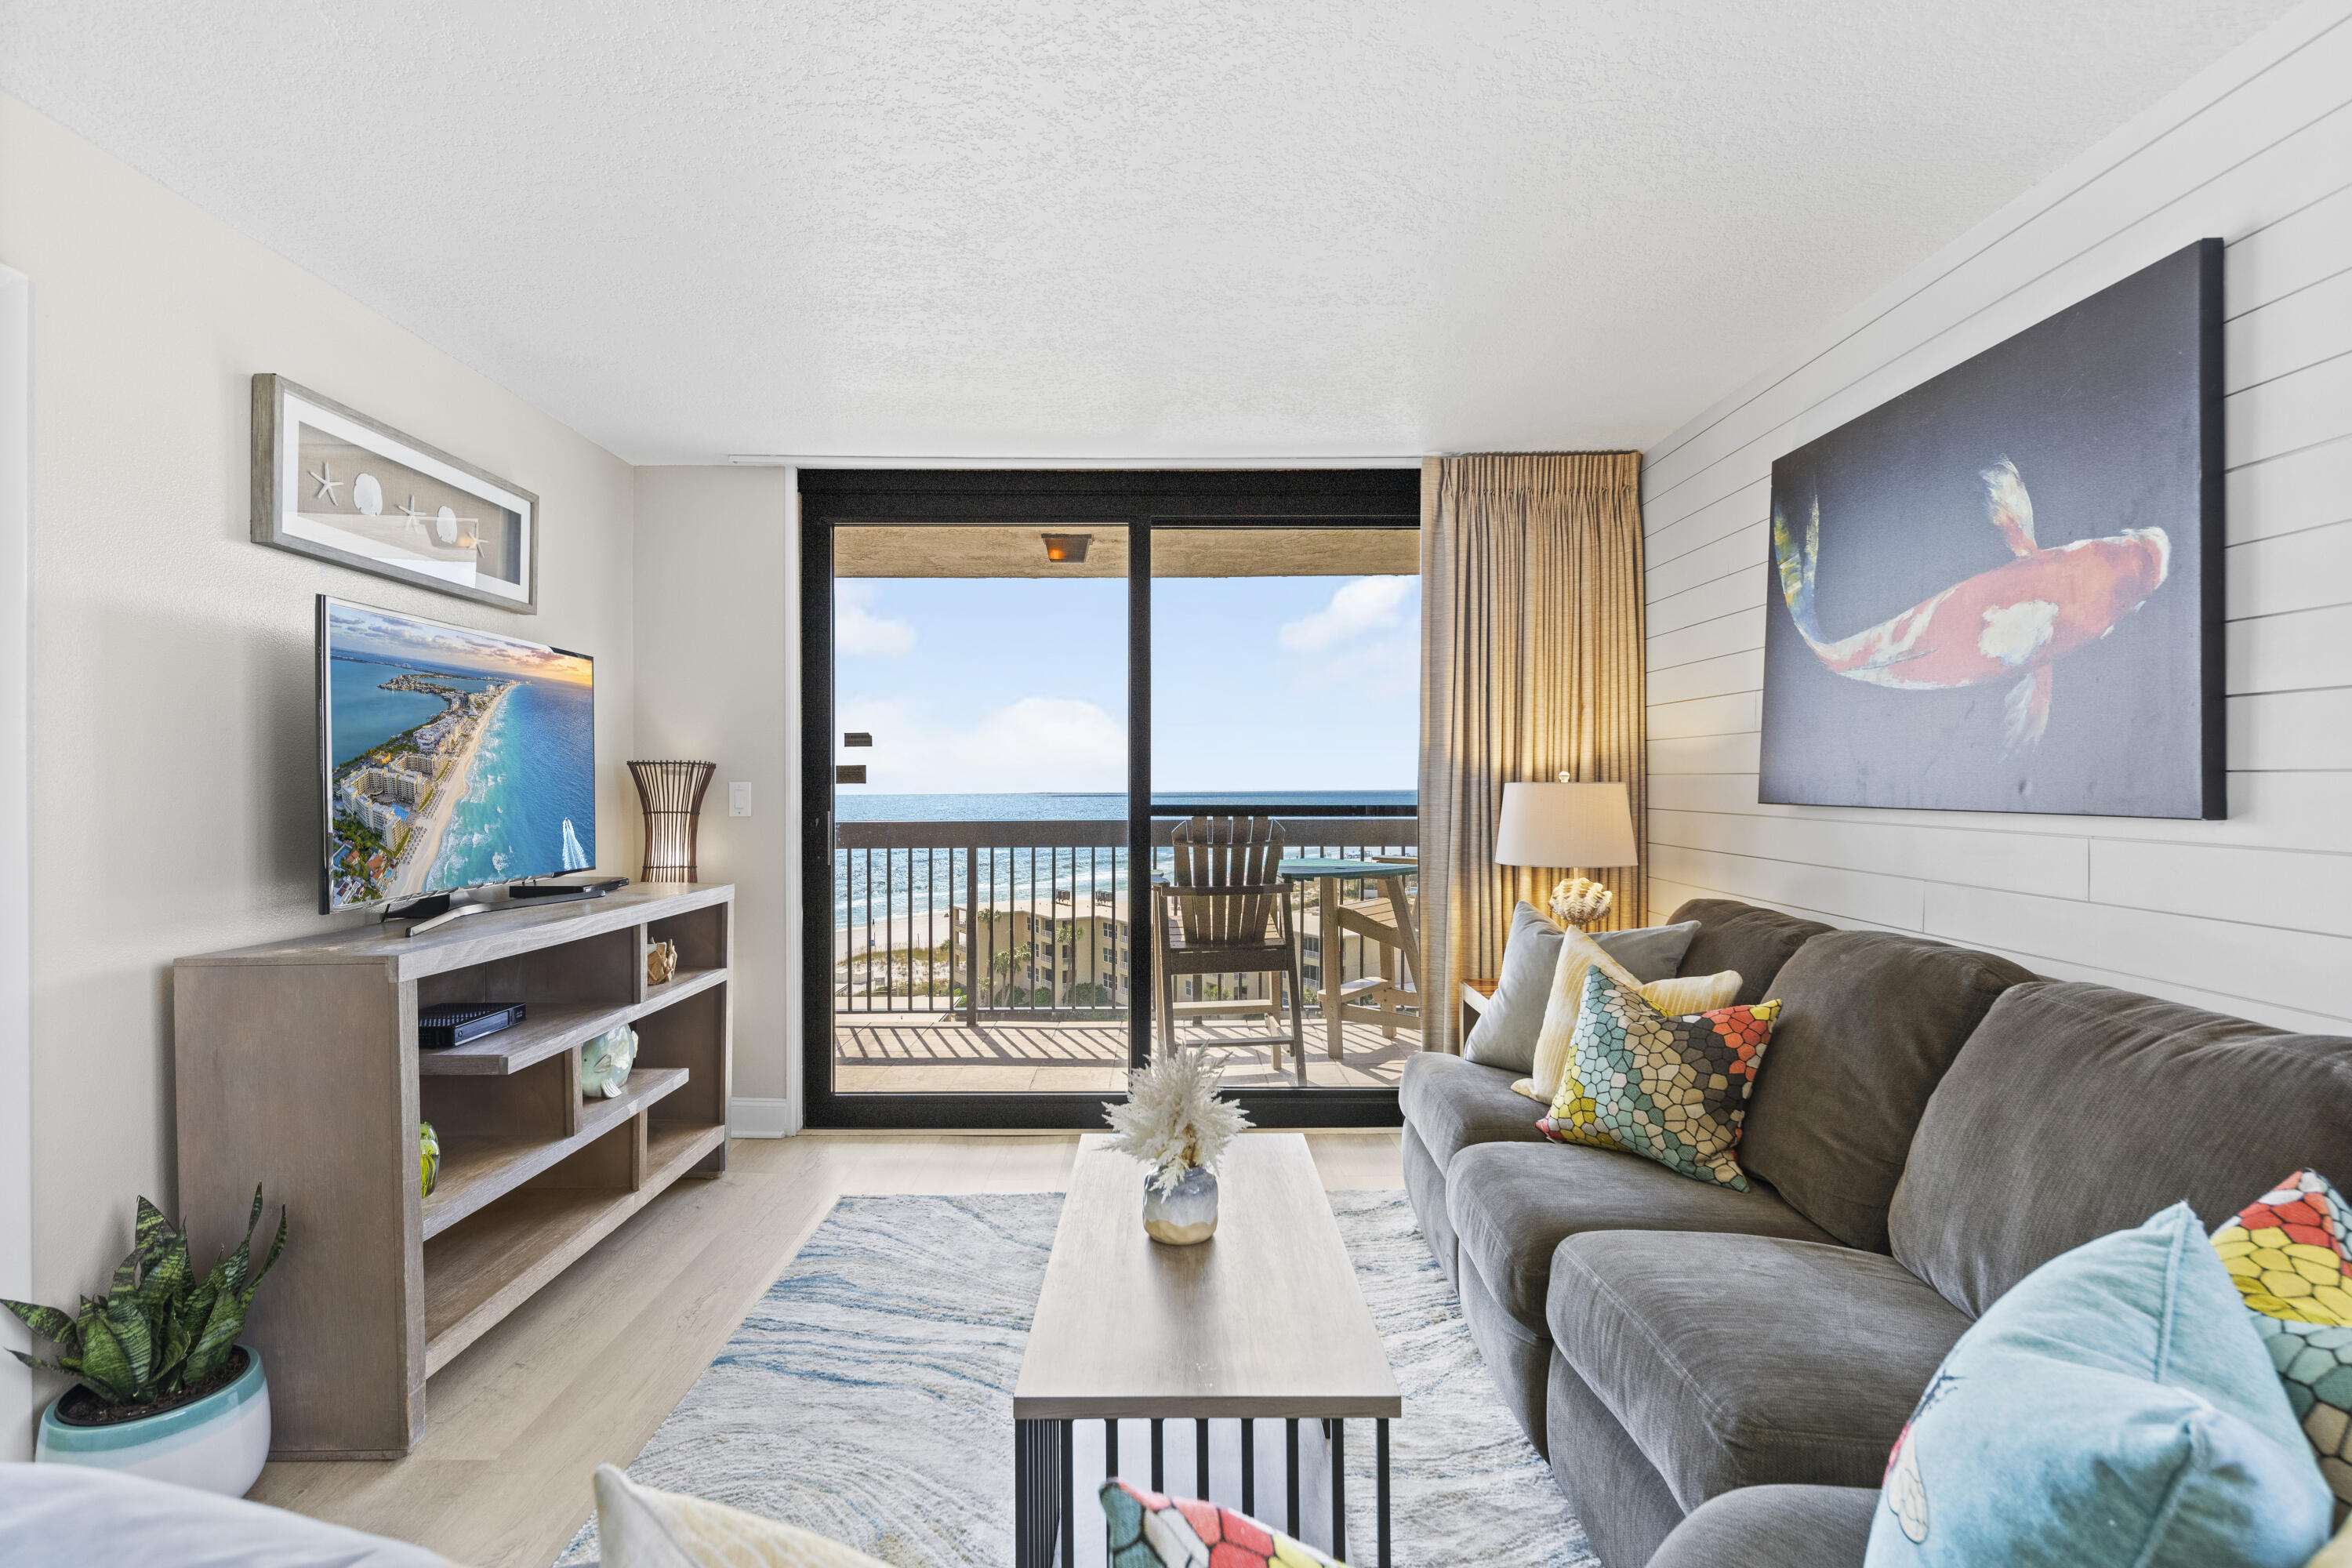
(592, 1364)
(912, 1053)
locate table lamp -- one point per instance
(1570, 825)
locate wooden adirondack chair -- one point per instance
(1223, 912)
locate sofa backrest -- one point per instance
(1869, 1023)
(2077, 1109)
(1733, 935)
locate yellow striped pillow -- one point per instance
(1676, 996)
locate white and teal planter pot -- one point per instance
(215, 1444)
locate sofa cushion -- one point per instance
(1741, 1360)
(2076, 1109)
(1869, 1023)
(1775, 1527)
(1733, 935)
(1517, 1357)
(1615, 1493)
(1453, 1104)
(1513, 1204)
(1425, 1189)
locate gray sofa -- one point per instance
(1728, 1370)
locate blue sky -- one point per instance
(1019, 684)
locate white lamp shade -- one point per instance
(1566, 824)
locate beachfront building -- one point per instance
(1041, 953)
(386, 819)
(393, 784)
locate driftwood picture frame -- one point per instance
(331, 483)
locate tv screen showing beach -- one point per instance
(453, 757)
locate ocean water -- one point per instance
(529, 807)
(917, 886)
(362, 715)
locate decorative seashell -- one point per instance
(1579, 902)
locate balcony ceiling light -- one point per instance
(1066, 546)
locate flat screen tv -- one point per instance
(448, 758)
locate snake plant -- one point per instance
(158, 1331)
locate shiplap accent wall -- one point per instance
(2252, 916)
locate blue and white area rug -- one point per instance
(869, 1397)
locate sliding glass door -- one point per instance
(979, 888)
(1285, 684)
(1016, 685)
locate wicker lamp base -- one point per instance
(672, 796)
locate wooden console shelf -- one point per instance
(298, 1068)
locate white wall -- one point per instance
(173, 737)
(15, 911)
(2259, 152)
(717, 620)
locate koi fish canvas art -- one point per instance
(2001, 591)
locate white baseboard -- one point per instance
(748, 1117)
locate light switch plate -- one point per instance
(739, 799)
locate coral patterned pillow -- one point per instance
(2290, 1254)
(1670, 1090)
(1147, 1531)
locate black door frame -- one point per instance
(1135, 499)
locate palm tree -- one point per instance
(1006, 963)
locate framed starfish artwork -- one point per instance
(331, 483)
(2001, 591)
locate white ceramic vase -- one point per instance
(1185, 1213)
(215, 1444)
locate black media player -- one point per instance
(450, 1024)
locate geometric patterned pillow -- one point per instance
(1670, 1090)
(2290, 1254)
(1148, 1531)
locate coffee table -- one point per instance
(1263, 1320)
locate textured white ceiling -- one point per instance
(1128, 230)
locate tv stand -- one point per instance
(298, 1068)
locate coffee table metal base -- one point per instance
(1044, 1482)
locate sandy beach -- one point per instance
(425, 839)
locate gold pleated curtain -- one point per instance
(1531, 667)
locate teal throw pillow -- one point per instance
(1504, 1034)
(2116, 1409)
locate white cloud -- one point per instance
(856, 629)
(1367, 603)
(1385, 669)
(1051, 743)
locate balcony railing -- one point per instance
(1039, 920)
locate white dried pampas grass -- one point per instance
(1172, 1119)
